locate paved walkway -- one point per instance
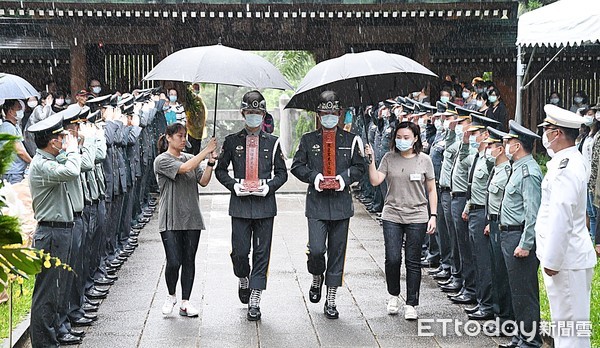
(131, 315)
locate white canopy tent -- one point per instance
(561, 24)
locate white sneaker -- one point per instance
(170, 302)
(187, 310)
(393, 305)
(410, 313)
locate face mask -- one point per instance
(473, 141)
(404, 144)
(588, 120)
(459, 131)
(253, 120)
(492, 99)
(96, 90)
(329, 121)
(554, 101)
(479, 103)
(68, 101)
(488, 153)
(60, 102)
(578, 100)
(421, 123)
(438, 125)
(479, 90)
(547, 143)
(597, 115)
(465, 95)
(507, 152)
(446, 124)
(172, 98)
(444, 99)
(20, 115)
(61, 157)
(32, 104)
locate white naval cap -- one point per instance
(560, 117)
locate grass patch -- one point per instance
(594, 307)
(21, 306)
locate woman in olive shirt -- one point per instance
(411, 196)
(180, 221)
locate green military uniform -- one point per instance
(518, 214)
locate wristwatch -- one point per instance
(211, 164)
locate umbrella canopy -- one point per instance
(16, 87)
(360, 79)
(220, 65)
(563, 23)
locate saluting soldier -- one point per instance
(54, 212)
(259, 170)
(474, 212)
(328, 201)
(564, 247)
(496, 184)
(518, 214)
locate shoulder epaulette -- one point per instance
(525, 171)
(563, 163)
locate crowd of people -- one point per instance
(454, 184)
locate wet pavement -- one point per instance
(131, 315)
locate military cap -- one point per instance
(52, 124)
(126, 99)
(419, 109)
(462, 112)
(442, 109)
(521, 133)
(142, 97)
(451, 108)
(390, 103)
(481, 122)
(127, 110)
(114, 100)
(428, 108)
(84, 113)
(495, 135)
(72, 116)
(409, 109)
(94, 117)
(560, 117)
(328, 101)
(99, 101)
(401, 100)
(253, 100)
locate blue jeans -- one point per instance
(14, 178)
(592, 212)
(394, 234)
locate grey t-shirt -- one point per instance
(179, 206)
(406, 199)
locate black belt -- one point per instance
(77, 215)
(95, 201)
(493, 217)
(459, 194)
(56, 224)
(511, 228)
(445, 189)
(476, 207)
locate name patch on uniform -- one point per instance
(415, 177)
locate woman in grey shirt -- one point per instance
(180, 221)
(410, 197)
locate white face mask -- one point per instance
(459, 130)
(547, 143)
(446, 124)
(479, 103)
(507, 152)
(421, 123)
(254, 120)
(588, 120)
(20, 115)
(465, 95)
(32, 104)
(60, 102)
(438, 124)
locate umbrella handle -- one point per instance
(215, 115)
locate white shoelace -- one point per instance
(331, 292)
(244, 283)
(316, 281)
(255, 298)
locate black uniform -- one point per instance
(329, 211)
(252, 216)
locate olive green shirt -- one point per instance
(48, 183)
(522, 198)
(87, 162)
(497, 185)
(460, 171)
(479, 182)
(450, 153)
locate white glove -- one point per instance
(263, 190)
(238, 188)
(341, 181)
(318, 180)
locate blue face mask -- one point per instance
(329, 121)
(172, 98)
(473, 141)
(404, 144)
(444, 99)
(61, 157)
(253, 120)
(492, 98)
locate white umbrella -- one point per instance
(16, 87)
(360, 79)
(219, 64)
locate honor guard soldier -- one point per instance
(496, 184)
(474, 212)
(258, 171)
(518, 214)
(329, 160)
(54, 212)
(564, 247)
